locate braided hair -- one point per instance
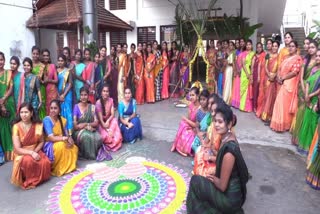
(57, 102)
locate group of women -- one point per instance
(52, 114)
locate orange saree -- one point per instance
(149, 77)
(286, 103)
(139, 81)
(166, 76)
(211, 56)
(27, 172)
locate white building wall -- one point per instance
(16, 38)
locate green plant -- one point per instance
(316, 34)
(91, 45)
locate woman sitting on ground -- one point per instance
(130, 124)
(225, 191)
(30, 165)
(85, 125)
(109, 127)
(59, 146)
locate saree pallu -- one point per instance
(30, 91)
(283, 54)
(310, 117)
(78, 84)
(39, 71)
(51, 89)
(246, 87)
(158, 73)
(63, 158)
(227, 91)
(149, 79)
(256, 81)
(166, 76)
(89, 142)
(111, 137)
(211, 55)
(130, 77)
(18, 82)
(186, 134)
(139, 81)
(286, 103)
(202, 118)
(88, 76)
(114, 82)
(66, 105)
(174, 78)
(121, 74)
(27, 172)
(203, 197)
(5, 130)
(236, 81)
(262, 87)
(130, 135)
(98, 80)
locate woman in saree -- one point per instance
(66, 52)
(30, 165)
(174, 68)
(228, 80)
(225, 190)
(65, 93)
(85, 132)
(149, 76)
(122, 64)
(166, 71)
(246, 80)
(211, 56)
(204, 159)
(257, 61)
(184, 69)
(130, 124)
(286, 103)
(38, 70)
(98, 76)
(158, 72)
(306, 68)
(271, 69)
(16, 77)
(50, 79)
(186, 130)
(284, 52)
(7, 111)
(130, 75)
(139, 81)
(202, 118)
(77, 74)
(59, 145)
(88, 74)
(114, 77)
(108, 124)
(220, 62)
(310, 118)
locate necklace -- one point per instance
(226, 138)
(26, 127)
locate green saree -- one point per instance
(38, 71)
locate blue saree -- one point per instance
(132, 134)
(78, 83)
(202, 119)
(66, 106)
(32, 86)
(16, 89)
(1, 155)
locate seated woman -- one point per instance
(186, 134)
(225, 191)
(109, 127)
(30, 166)
(130, 124)
(205, 158)
(85, 125)
(202, 120)
(59, 146)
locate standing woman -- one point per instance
(38, 70)
(65, 93)
(284, 52)
(98, 76)
(228, 80)
(166, 71)
(174, 67)
(131, 69)
(88, 74)
(246, 80)
(257, 61)
(114, 76)
(108, 124)
(184, 69)
(158, 72)
(271, 69)
(139, 81)
(16, 77)
(130, 124)
(122, 64)
(7, 110)
(149, 75)
(30, 165)
(59, 146)
(286, 103)
(77, 75)
(220, 65)
(211, 56)
(85, 128)
(50, 79)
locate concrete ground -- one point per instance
(277, 186)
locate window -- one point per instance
(102, 38)
(118, 37)
(146, 34)
(168, 34)
(59, 41)
(101, 2)
(117, 4)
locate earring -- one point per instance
(229, 130)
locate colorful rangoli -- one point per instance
(137, 186)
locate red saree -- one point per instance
(27, 172)
(139, 81)
(50, 73)
(257, 72)
(88, 76)
(149, 79)
(166, 76)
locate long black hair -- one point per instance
(34, 117)
(2, 54)
(28, 60)
(57, 102)
(308, 58)
(16, 59)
